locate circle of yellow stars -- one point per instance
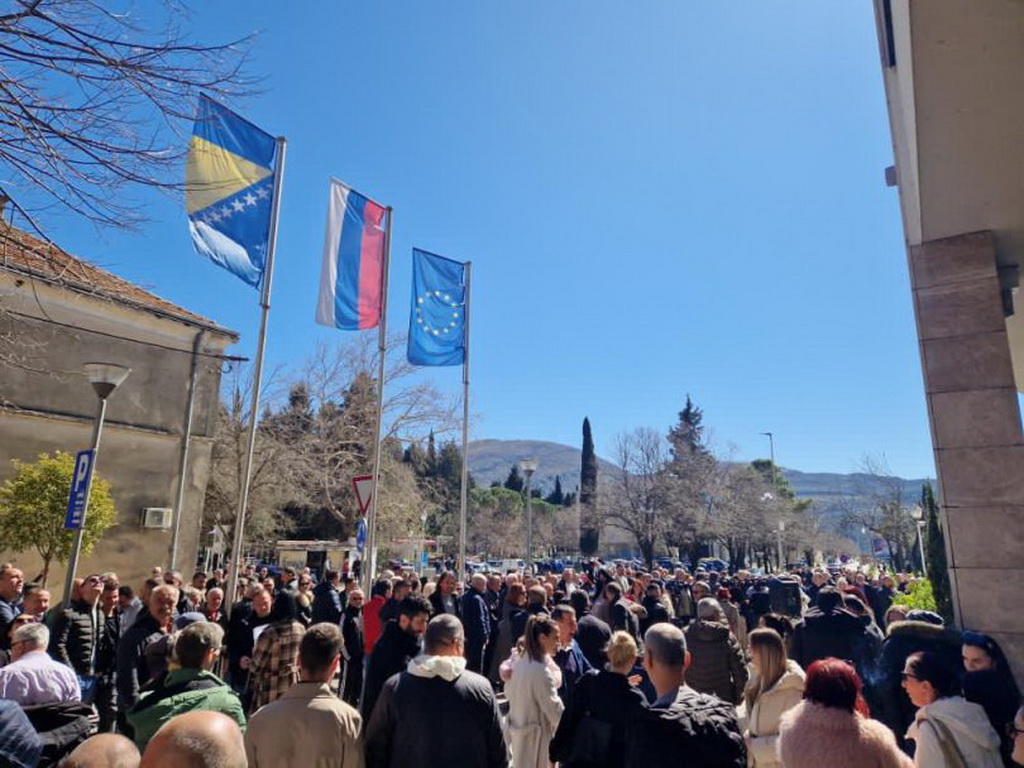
(444, 327)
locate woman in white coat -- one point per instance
(534, 705)
(776, 686)
(949, 731)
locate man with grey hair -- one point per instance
(133, 668)
(477, 621)
(718, 667)
(693, 726)
(33, 677)
(192, 686)
(411, 726)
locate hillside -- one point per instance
(490, 460)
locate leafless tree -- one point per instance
(638, 501)
(93, 101)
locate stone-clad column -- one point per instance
(976, 431)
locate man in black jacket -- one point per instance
(327, 604)
(399, 642)
(132, 666)
(476, 621)
(411, 726)
(832, 630)
(694, 727)
(79, 632)
(354, 648)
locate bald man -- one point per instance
(196, 740)
(104, 750)
(477, 621)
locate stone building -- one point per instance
(952, 74)
(58, 312)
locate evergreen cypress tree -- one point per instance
(515, 481)
(935, 553)
(687, 437)
(556, 496)
(590, 529)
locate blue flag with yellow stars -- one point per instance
(229, 190)
(437, 321)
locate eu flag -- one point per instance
(437, 320)
(229, 190)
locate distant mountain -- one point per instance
(491, 460)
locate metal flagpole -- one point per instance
(370, 553)
(465, 429)
(257, 378)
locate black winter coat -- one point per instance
(426, 722)
(437, 605)
(132, 665)
(696, 730)
(326, 604)
(390, 656)
(839, 634)
(608, 698)
(77, 636)
(592, 636)
(883, 690)
(624, 619)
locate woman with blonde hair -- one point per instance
(592, 732)
(776, 686)
(534, 705)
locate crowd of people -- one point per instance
(608, 664)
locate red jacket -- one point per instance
(371, 621)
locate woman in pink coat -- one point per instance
(831, 727)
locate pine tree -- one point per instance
(515, 481)
(431, 453)
(935, 554)
(590, 530)
(687, 437)
(556, 496)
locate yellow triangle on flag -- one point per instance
(213, 173)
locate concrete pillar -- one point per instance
(976, 432)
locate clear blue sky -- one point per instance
(659, 199)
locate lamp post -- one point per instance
(528, 467)
(105, 378)
(771, 449)
(918, 514)
(782, 529)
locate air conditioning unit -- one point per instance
(156, 517)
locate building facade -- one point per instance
(952, 74)
(58, 312)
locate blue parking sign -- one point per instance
(79, 489)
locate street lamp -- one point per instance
(771, 448)
(918, 514)
(105, 378)
(782, 529)
(528, 467)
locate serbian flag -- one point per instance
(352, 276)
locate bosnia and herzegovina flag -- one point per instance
(437, 320)
(352, 275)
(229, 190)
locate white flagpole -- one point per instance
(369, 567)
(257, 379)
(465, 431)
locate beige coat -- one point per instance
(763, 718)
(534, 712)
(307, 726)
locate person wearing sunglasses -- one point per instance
(949, 731)
(78, 633)
(989, 682)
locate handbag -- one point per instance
(951, 754)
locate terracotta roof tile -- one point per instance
(22, 252)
